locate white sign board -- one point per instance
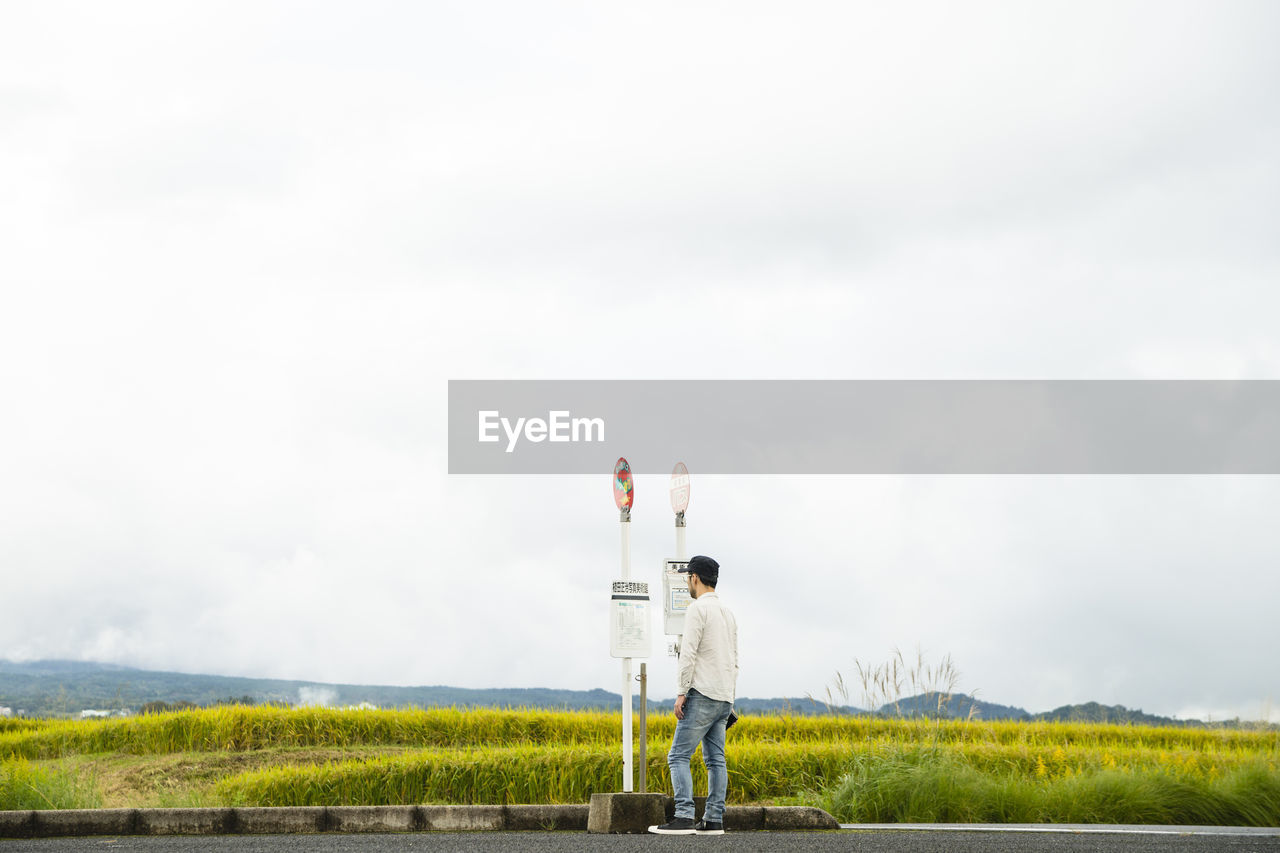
(629, 620)
(675, 596)
(679, 488)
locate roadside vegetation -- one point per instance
(24, 785)
(858, 768)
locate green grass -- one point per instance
(858, 768)
(24, 785)
(922, 787)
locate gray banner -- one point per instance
(865, 427)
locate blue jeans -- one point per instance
(703, 721)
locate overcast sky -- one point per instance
(244, 246)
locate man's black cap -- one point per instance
(704, 567)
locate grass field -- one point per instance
(858, 768)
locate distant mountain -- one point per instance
(65, 688)
(1095, 713)
(60, 688)
(956, 706)
(963, 706)
(792, 705)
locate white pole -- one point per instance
(626, 726)
(626, 545)
(679, 502)
(626, 662)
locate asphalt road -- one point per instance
(746, 842)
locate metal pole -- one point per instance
(644, 720)
(681, 554)
(625, 520)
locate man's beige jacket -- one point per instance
(709, 650)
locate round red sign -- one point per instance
(623, 488)
(679, 488)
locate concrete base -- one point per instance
(626, 813)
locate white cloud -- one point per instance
(247, 245)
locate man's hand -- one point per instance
(680, 707)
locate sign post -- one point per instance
(675, 591)
(623, 496)
(675, 598)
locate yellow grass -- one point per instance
(324, 756)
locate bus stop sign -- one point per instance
(679, 488)
(623, 488)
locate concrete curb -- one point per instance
(316, 819)
(1069, 828)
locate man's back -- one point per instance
(709, 649)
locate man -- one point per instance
(706, 686)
